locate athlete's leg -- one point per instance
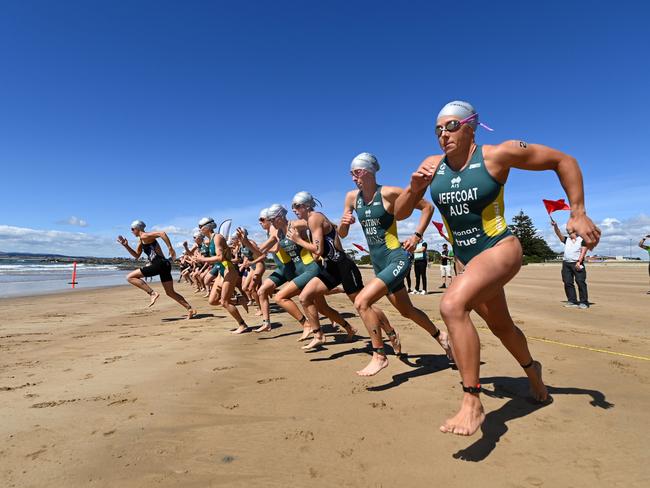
(481, 281)
(171, 293)
(495, 313)
(308, 295)
(264, 292)
(230, 280)
(135, 278)
(283, 298)
(363, 302)
(401, 301)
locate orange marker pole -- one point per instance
(74, 274)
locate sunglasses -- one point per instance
(262, 220)
(454, 125)
(358, 173)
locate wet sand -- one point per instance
(98, 390)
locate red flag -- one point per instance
(439, 226)
(360, 248)
(553, 205)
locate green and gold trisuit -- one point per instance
(389, 259)
(471, 204)
(303, 267)
(219, 267)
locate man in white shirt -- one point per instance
(573, 268)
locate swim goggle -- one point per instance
(454, 125)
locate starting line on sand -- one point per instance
(575, 346)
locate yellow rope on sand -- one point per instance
(575, 346)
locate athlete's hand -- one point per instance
(122, 240)
(246, 263)
(348, 218)
(410, 244)
(172, 255)
(585, 228)
(292, 235)
(422, 177)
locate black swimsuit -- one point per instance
(338, 267)
(158, 264)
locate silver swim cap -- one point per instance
(197, 234)
(365, 161)
(138, 224)
(305, 198)
(263, 213)
(205, 220)
(460, 109)
(276, 210)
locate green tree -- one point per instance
(534, 247)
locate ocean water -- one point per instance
(22, 277)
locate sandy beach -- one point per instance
(97, 390)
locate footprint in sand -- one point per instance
(110, 432)
(112, 359)
(345, 453)
(223, 368)
(380, 405)
(230, 407)
(270, 380)
(12, 388)
(123, 401)
(35, 455)
(300, 435)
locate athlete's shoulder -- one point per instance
(391, 191)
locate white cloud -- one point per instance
(24, 239)
(74, 221)
(172, 229)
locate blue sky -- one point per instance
(169, 111)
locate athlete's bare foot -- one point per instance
(468, 419)
(241, 329)
(376, 364)
(537, 387)
(191, 313)
(443, 340)
(306, 332)
(154, 296)
(315, 342)
(265, 327)
(351, 332)
(206, 295)
(395, 342)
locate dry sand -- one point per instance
(97, 390)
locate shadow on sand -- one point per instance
(516, 389)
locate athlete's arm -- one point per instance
(535, 157)
(316, 221)
(135, 253)
(165, 238)
(347, 219)
(642, 243)
(425, 217)
(408, 199)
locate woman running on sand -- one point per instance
(338, 269)
(374, 205)
(466, 184)
(254, 270)
(160, 265)
(221, 259)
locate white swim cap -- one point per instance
(276, 210)
(263, 213)
(197, 234)
(207, 222)
(365, 161)
(305, 198)
(138, 224)
(459, 109)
